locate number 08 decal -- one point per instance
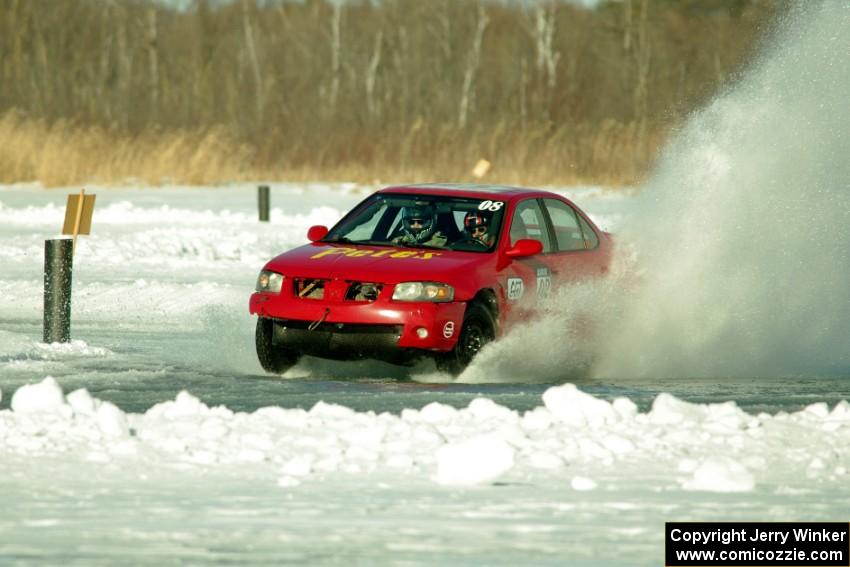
(490, 205)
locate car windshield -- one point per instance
(428, 221)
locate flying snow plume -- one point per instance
(556, 346)
(743, 233)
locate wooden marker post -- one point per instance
(58, 268)
(263, 202)
(78, 213)
(481, 168)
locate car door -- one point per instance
(575, 254)
(527, 279)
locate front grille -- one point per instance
(335, 290)
(363, 291)
(309, 288)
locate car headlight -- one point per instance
(423, 291)
(270, 282)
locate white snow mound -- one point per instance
(46, 396)
(574, 439)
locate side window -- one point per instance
(589, 236)
(528, 222)
(565, 221)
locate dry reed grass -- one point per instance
(70, 153)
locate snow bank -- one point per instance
(574, 438)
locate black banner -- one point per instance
(757, 544)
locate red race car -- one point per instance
(439, 270)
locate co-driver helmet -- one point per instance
(476, 220)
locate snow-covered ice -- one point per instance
(111, 451)
(571, 474)
(540, 472)
(160, 297)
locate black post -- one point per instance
(263, 198)
(58, 263)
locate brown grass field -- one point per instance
(69, 153)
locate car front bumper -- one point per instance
(359, 329)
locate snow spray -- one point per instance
(743, 232)
(741, 236)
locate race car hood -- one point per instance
(379, 264)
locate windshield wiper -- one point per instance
(343, 240)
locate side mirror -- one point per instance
(524, 247)
(316, 233)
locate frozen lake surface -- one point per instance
(158, 439)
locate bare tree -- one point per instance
(336, 55)
(642, 57)
(371, 73)
(255, 63)
(473, 62)
(153, 61)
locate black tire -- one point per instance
(479, 328)
(273, 359)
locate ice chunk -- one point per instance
(213, 428)
(479, 460)
(187, 404)
(436, 412)
(331, 411)
(582, 483)
(817, 410)
(184, 405)
(617, 445)
(574, 407)
(399, 461)
(668, 410)
(368, 436)
(112, 420)
(301, 465)
(537, 419)
(44, 396)
(81, 402)
(544, 460)
(720, 475)
(485, 408)
(626, 408)
(288, 482)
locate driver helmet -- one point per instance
(476, 224)
(419, 222)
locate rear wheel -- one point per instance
(479, 328)
(273, 358)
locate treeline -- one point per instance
(396, 89)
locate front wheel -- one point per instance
(479, 328)
(274, 359)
